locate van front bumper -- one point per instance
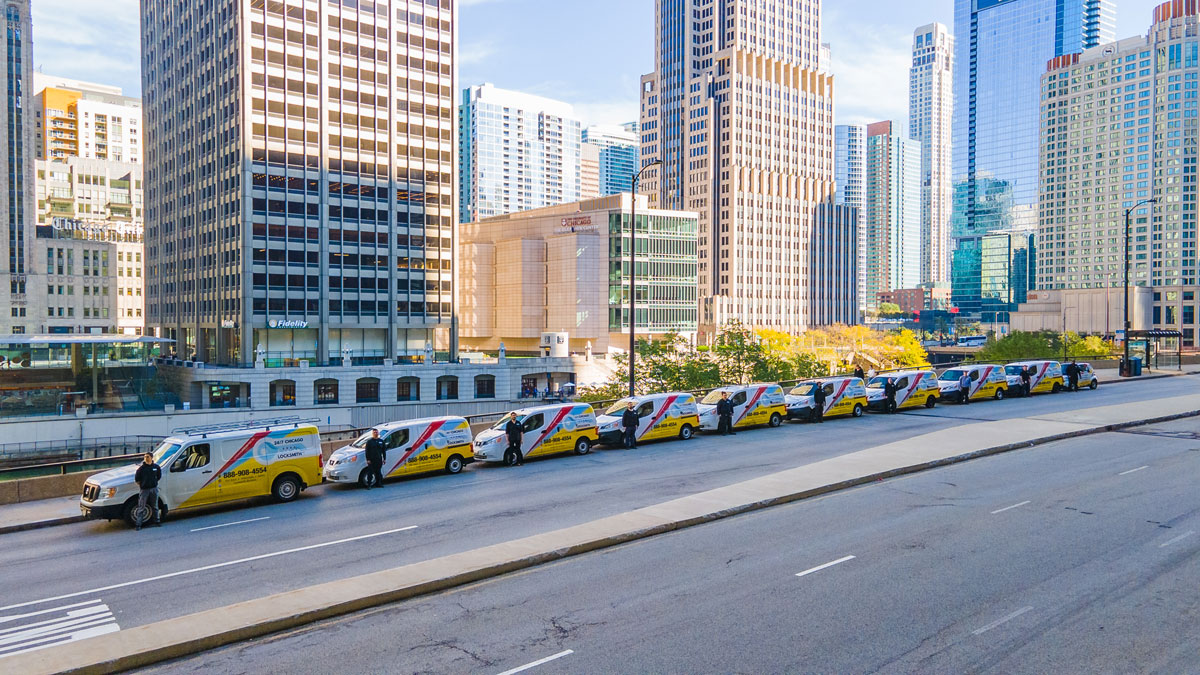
(102, 512)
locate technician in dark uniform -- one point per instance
(1073, 375)
(725, 415)
(1026, 378)
(818, 409)
(629, 427)
(515, 433)
(376, 452)
(858, 372)
(889, 390)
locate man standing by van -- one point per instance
(1026, 381)
(376, 452)
(147, 477)
(964, 387)
(515, 433)
(1073, 375)
(818, 409)
(629, 426)
(725, 415)
(889, 391)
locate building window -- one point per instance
(366, 390)
(326, 392)
(408, 389)
(283, 393)
(485, 386)
(447, 388)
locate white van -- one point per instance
(987, 381)
(215, 464)
(413, 447)
(670, 415)
(753, 404)
(914, 388)
(548, 430)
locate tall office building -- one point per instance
(299, 176)
(850, 175)
(1001, 51)
(88, 120)
(518, 152)
(893, 187)
(589, 171)
(741, 116)
(930, 112)
(618, 156)
(1120, 126)
(18, 201)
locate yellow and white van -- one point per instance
(914, 388)
(753, 404)
(549, 430)
(987, 381)
(670, 415)
(1047, 376)
(413, 447)
(843, 396)
(215, 464)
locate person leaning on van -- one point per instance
(514, 431)
(147, 477)
(629, 427)
(376, 452)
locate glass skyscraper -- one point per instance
(1001, 52)
(618, 151)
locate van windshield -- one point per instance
(804, 389)
(713, 397)
(878, 382)
(164, 452)
(952, 375)
(361, 441)
(499, 426)
(619, 407)
(1013, 370)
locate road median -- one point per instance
(174, 638)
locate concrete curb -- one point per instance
(174, 638)
(39, 524)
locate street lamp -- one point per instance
(1125, 343)
(633, 270)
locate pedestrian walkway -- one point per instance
(42, 513)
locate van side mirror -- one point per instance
(178, 466)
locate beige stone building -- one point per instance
(564, 269)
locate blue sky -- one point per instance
(590, 54)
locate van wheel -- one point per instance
(931, 401)
(685, 432)
(131, 513)
(1057, 388)
(366, 478)
(999, 395)
(582, 446)
(858, 410)
(775, 420)
(286, 488)
(454, 464)
(1093, 384)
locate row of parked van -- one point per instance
(209, 465)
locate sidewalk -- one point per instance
(42, 513)
(1113, 375)
(173, 638)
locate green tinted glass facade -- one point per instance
(666, 274)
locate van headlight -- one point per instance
(108, 493)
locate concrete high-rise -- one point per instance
(893, 187)
(618, 151)
(850, 162)
(1001, 51)
(18, 201)
(300, 177)
(741, 116)
(930, 114)
(1119, 127)
(518, 152)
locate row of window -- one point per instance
(366, 390)
(307, 307)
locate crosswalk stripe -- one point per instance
(75, 622)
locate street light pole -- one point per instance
(637, 177)
(1125, 343)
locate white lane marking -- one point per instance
(205, 568)
(1126, 473)
(1181, 537)
(997, 622)
(239, 522)
(539, 662)
(77, 622)
(818, 568)
(1010, 507)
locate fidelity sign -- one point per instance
(285, 323)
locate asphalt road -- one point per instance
(1081, 556)
(221, 556)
